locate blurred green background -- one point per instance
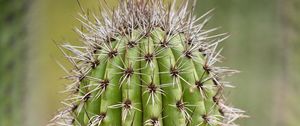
(264, 45)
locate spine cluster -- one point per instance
(146, 63)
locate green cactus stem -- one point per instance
(145, 63)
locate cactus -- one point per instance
(12, 63)
(146, 63)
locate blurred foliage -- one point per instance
(12, 63)
(264, 45)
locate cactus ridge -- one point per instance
(146, 63)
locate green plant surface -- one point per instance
(142, 65)
(255, 47)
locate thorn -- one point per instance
(112, 53)
(174, 72)
(149, 57)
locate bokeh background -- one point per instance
(264, 45)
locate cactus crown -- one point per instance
(146, 63)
